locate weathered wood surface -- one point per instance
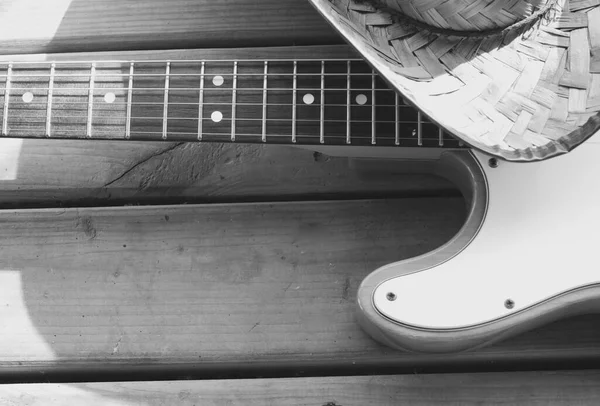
(203, 284)
(556, 388)
(61, 173)
(30, 26)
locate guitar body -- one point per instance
(526, 256)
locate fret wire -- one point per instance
(201, 102)
(348, 105)
(419, 135)
(397, 116)
(166, 101)
(322, 107)
(192, 104)
(264, 106)
(129, 102)
(373, 140)
(308, 121)
(91, 100)
(6, 100)
(294, 102)
(233, 100)
(160, 75)
(49, 106)
(440, 137)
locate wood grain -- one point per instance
(209, 283)
(59, 173)
(33, 26)
(556, 388)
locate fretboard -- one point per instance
(330, 102)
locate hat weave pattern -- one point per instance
(464, 15)
(518, 79)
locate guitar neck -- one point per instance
(305, 102)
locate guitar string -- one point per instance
(184, 61)
(195, 89)
(19, 105)
(99, 101)
(115, 103)
(29, 107)
(282, 120)
(194, 75)
(205, 118)
(99, 127)
(359, 66)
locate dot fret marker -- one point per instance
(218, 80)
(308, 98)
(109, 97)
(361, 99)
(27, 97)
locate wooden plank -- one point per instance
(33, 26)
(56, 172)
(41, 173)
(532, 388)
(283, 52)
(210, 283)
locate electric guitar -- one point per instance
(524, 257)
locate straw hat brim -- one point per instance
(520, 96)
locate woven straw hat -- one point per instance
(518, 79)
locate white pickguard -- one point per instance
(540, 238)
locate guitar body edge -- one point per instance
(486, 284)
(462, 169)
(409, 338)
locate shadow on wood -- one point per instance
(111, 25)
